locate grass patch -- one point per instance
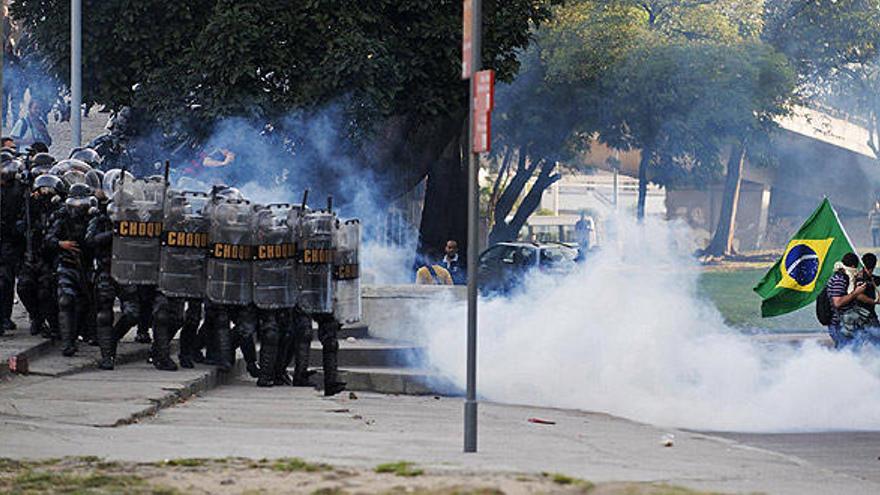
(731, 292)
(565, 480)
(335, 490)
(400, 468)
(295, 464)
(33, 482)
(185, 462)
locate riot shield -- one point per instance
(137, 230)
(230, 258)
(347, 272)
(274, 258)
(184, 245)
(315, 267)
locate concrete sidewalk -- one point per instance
(243, 420)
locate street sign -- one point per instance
(467, 44)
(482, 132)
(484, 102)
(484, 91)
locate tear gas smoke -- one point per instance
(314, 153)
(629, 334)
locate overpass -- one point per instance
(818, 155)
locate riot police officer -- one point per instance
(36, 282)
(67, 236)
(181, 277)
(11, 242)
(99, 237)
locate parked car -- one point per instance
(503, 266)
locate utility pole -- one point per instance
(2, 54)
(76, 72)
(475, 64)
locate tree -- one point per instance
(392, 66)
(123, 40)
(536, 125)
(606, 45)
(835, 47)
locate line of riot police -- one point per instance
(211, 265)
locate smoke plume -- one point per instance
(629, 334)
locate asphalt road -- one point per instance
(243, 420)
(855, 453)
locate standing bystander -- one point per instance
(453, 264)
(874, 223)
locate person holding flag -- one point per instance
(820, 249)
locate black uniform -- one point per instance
(11, 247)
(72, 271)
(36, 281)
(99, 237)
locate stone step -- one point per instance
(391, 380)
(358, 331)
(370, 353)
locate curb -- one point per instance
(213, 378)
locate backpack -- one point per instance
(824, 311)
(823, 307)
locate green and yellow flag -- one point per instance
(799, 276)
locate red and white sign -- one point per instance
(484, 91)
(484, 102)
(467, 45)
(482, 132)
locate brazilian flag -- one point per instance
(799, 276)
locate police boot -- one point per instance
(187, 347)
(285, 354)
(302, 355)
(161, 349)
(66, 327)
(332, 385)
(224, 343)
(143, 336)
(268, 358)
(249, 351)
(104, 331)
(37, 327)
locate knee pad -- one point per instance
(104, 317)
(330, 345)
(66, 302)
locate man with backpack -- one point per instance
(841, 293)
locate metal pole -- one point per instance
(470, 403)
(2, 54)
(76, 72)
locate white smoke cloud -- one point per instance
(630, 335)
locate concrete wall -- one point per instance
(392, 311)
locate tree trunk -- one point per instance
(645, 162)
(503, 230)
(722, 241)
(444, 215)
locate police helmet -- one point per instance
(50, 182)
(95, 179)
(74, 177)
(223, 191)
(78, 194)
(87, 155)
(37, 148)
(43, 160)
(10, 170)
(73, 164)
(111, 180)
(79, 201)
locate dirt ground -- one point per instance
(89, 475)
